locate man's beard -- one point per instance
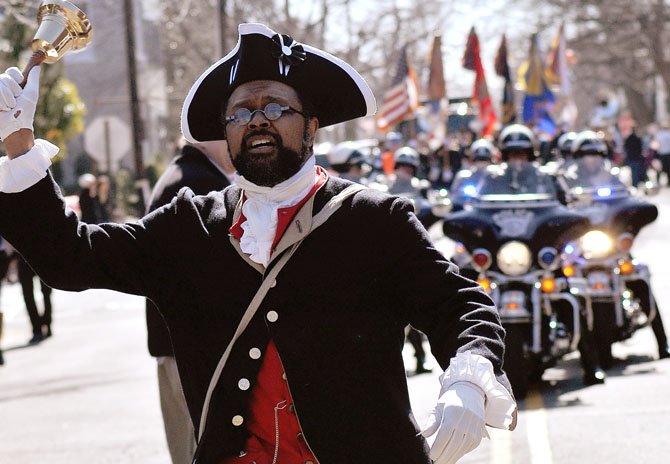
(269, 170)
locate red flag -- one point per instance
(472, 61)
(402, 99)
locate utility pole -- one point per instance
(137, 130)
(221, 49)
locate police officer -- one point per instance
(467, 181)
(590, 150)
(348, 161)
(564, 146)
(517, 145)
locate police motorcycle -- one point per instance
(619, 285)
(508, 239)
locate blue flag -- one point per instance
(538, 98)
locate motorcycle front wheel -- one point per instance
(604, 326)
(516, 363)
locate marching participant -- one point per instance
(288, 344)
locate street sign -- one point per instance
(107, 139)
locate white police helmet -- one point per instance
(588, 143)
(517, 137)
(345, 154)
(407, 156)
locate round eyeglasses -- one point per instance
(272, 112)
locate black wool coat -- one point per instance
(191, 168)
(342, 301)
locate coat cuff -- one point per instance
(469, 367)
(18, 174)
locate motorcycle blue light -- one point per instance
(548, 257)
(470, 190)
(604, 192)
(569, 249)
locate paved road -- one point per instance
(88, 394)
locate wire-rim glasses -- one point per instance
(272, 112)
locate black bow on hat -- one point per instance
(287, 51)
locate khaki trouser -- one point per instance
(178, 425)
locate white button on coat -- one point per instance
(272, 316)
(244, 384)
(254, 353)
(237, 420)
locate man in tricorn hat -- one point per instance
(293, 288)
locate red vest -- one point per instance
(273, 424)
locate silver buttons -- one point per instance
(273, 284)
(237, 420)
(272, 316)
(254, 353)
(283, 375)
(244, 384)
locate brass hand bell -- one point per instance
(62, 28)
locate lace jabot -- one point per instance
(261, 205)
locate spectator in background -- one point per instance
(89, 204)
(41, 324)
(632, 147)
(104, 198)
(6, 251)
(202, 167)
(662, 146)
(392, 143)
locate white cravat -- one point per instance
(261, 205)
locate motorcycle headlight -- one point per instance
(514, 258)
(596, 244)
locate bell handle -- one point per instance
(35, 60)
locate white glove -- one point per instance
(458, 419)
(17, 105)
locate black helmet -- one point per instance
(517, 137)
(407, 156)
(588, 143)
(564, 143)
(482, 150)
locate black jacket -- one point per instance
(343, 301)
(190, 169)
(633, 147)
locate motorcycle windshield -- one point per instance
(592, 177)
(528, 186)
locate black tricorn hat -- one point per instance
(335, 90)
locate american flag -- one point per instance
(402, 99)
